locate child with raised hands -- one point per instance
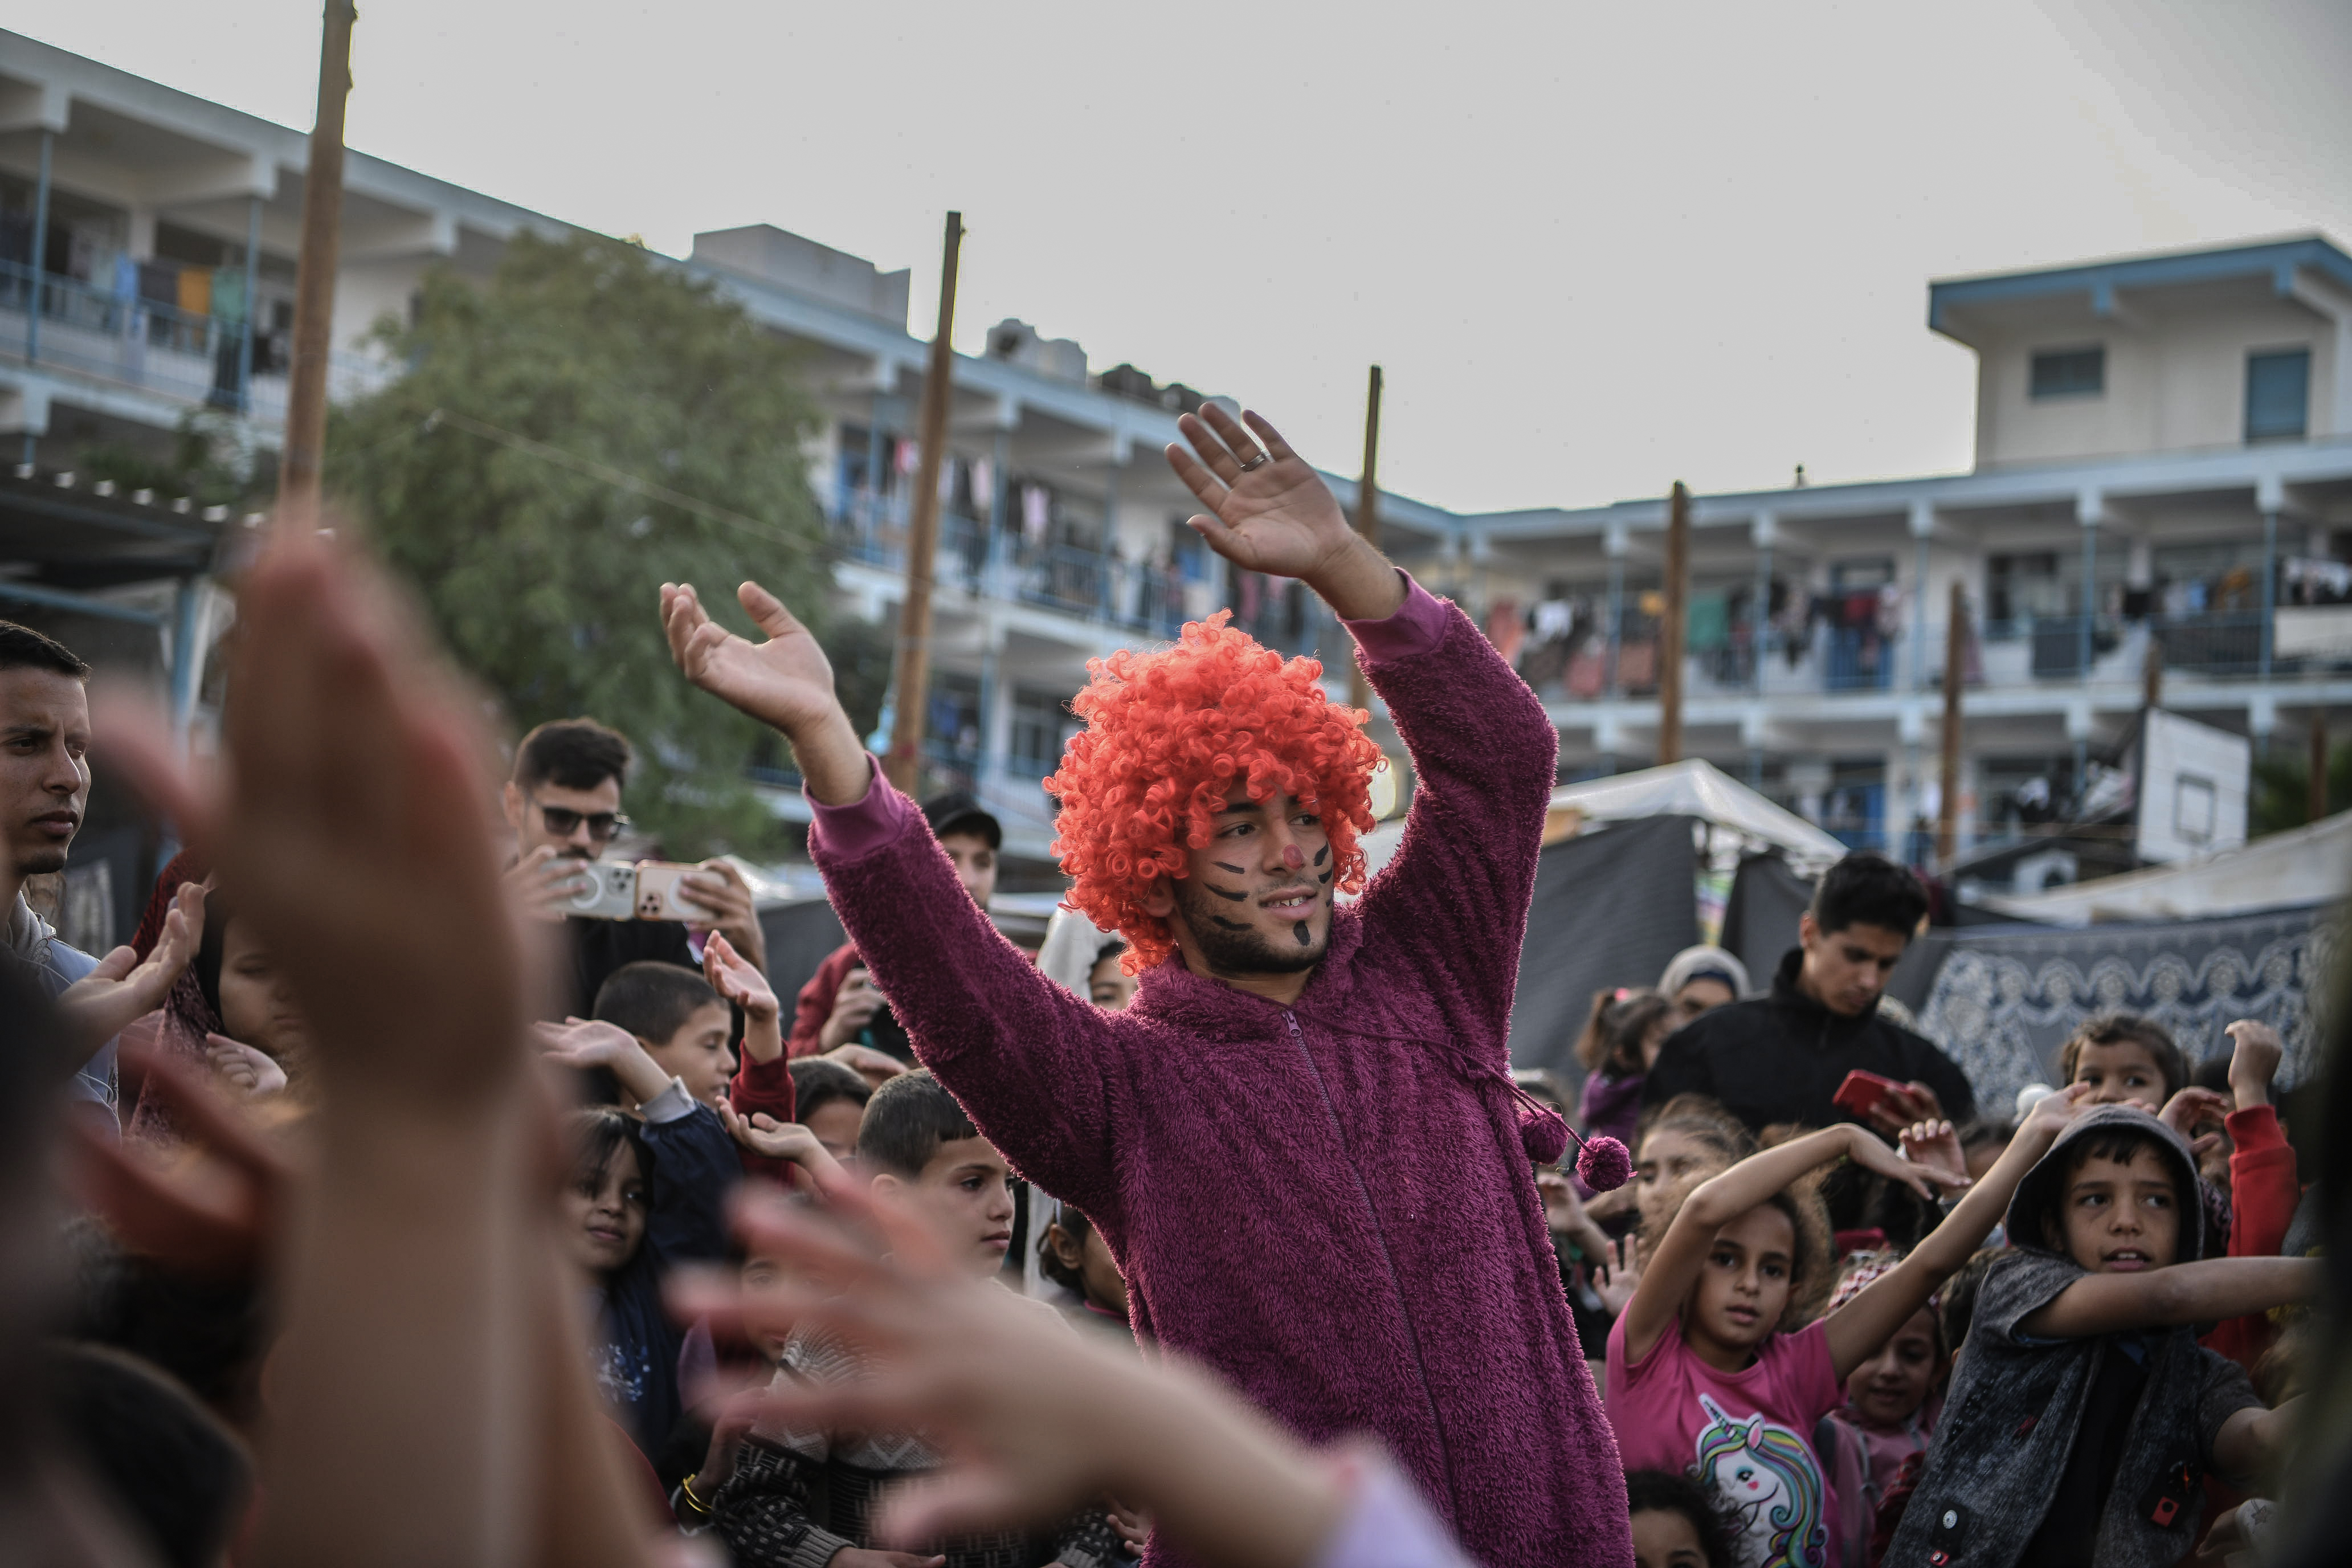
(1703, 1373)
(2084, 1415)
(760, 1099)
(647, 1189)
(1035, 1422)
(1892, 1400)
(802, 1496)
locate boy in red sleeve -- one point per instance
(2263, 1190)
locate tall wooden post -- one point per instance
(1956, 660)
(1675, 631)
(2317, 797)
(904, 765)
(1368, 515)
(304, 450)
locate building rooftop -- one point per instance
(1953, 304)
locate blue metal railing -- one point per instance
(1003, 565)
(156, 346)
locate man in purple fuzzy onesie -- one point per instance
(1301, 1142)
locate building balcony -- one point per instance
(130, 343)
(2048, 654)
(1134, 601)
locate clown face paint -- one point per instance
(1252, 902)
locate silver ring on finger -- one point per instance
(1261, 461)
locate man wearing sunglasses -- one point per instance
(564, 805)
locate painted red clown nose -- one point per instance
(1293, 856)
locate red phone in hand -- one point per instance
(1860, 1093)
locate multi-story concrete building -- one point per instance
(2163, 458)
(2164, 452)
(166, 228)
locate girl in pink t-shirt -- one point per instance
(1700, 1379)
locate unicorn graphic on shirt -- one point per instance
(1767, 1479)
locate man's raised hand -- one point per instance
(784, 682)
(1270, 511)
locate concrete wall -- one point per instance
(2175, 382)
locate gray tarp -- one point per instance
(2004, 1000)
(1610, 908)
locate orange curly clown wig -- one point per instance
(1168, 734)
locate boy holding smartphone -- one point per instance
(1784, 1057)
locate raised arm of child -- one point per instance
(783, 1143)
(763, 1084)
(2181, 1295)
(1674, 1266)
(734, 978)
(1858, 1330)
(2264, 1187)
(2251, 1442)
(586, 1043)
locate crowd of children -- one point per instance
(774, 1301)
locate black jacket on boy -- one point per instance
(1780, 1057)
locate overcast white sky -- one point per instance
(1597, 247)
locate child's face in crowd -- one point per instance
(834, 1124)
(1655, 1040)
(2121, 1217)
(975, 864)
(766, 1324)
(1982, 1157)
(1671, 1160)
(699, 1053)
(1703, 994)
(604, 1215)
(257, 1003)
(1665, 1538)
(1744, 1288)
(2118, 1074)
(1104, 1287)
(1110, 988)
(1890, 1386)
(964, 1196)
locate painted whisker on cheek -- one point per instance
(1236, 870)
(1221, 892)
(1323, 854)
(1326, 876)
(1299, 931)
(1229, 925)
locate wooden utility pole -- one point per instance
(2151, 674)
(1368, 516)
(1675, 631)
(2317, 796)
(304, 449)
(904, 766)
(1956, 660)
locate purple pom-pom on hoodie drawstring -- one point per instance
(1544, 1136)
(1603, 1164)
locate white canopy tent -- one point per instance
(1692, 787)
(2308, 865)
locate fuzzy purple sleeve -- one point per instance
(1035, 1067)
(1454, 902)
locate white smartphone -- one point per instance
(608, 891)
(661, 896)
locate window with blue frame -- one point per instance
(2278, 395)
(2079, 372)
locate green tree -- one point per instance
(544, 576)
(2282, 788)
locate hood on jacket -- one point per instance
(2035, 1201)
